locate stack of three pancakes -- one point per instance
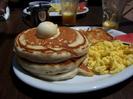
(54, 58)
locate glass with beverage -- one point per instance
(112, 10)
(69, 10)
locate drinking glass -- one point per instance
(69, 11)
(112, 10)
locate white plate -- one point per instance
(79, 83)
(52, 14)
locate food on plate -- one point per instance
(109, 57)
(83, 68)
(97, 34)
(59, 53)
(95, 63)
(55, 7)
(51, 57)
(94, 35)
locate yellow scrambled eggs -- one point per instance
(108, 57)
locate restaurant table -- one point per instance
(13, 88)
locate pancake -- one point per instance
(83, 68)
(63, 76)
(96, 35)
(56, 71)
(66, 44)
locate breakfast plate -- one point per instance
(53, 14)
(77, 84)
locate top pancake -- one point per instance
(66, 44)
(97, 34)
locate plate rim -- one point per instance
(59, 88)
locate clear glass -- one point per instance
(69, 10)
(112, 10)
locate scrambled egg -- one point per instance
(108, 57)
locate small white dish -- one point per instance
(77, 84)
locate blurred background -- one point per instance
(24, 3)
(127, 11)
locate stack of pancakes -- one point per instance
(54, 58)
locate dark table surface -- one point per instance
(12, 88)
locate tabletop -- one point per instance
(13, 88)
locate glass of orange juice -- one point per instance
(69, 11)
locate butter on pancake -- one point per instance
(46, 29)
